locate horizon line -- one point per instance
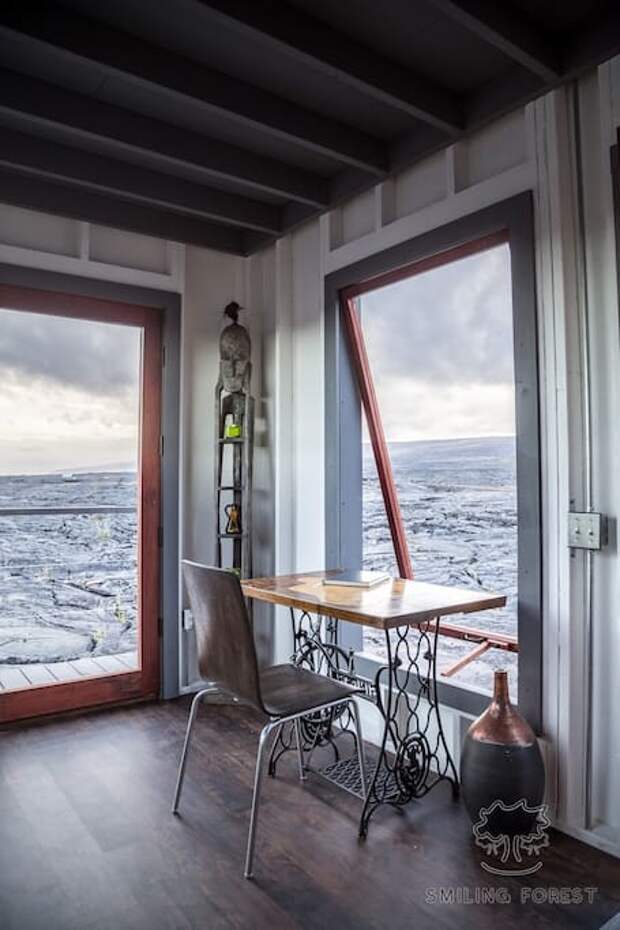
(65, 472)
(367, 442)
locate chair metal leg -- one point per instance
(271, 767)
(360, 745)
(188, 733)
(258, 776)
(300, 751)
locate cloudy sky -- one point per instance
(68, 394)
(440, 346)
(441, 350)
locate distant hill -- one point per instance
(95, 469)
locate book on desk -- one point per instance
(358, 579)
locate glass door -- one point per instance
(79, 502)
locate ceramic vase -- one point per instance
(501, 761)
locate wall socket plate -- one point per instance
(586, 530)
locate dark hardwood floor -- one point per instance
(87, 841)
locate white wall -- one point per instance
(600, 108)
(55, 243)
(533, 149)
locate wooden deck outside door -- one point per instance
(142, 683)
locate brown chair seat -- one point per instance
(288, 689)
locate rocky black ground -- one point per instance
(459, 505)
(67, 581)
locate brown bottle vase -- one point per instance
(501, 761)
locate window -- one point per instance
(440, 353)
(440, 331)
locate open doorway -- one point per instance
(79, 501)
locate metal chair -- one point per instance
(227, 660)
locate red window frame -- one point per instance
(365, 381)
(349, 310)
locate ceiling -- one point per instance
(226, 123)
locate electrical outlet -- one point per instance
(586, 530)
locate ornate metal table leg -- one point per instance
(414, 755)
(315, 646)
(311, 728)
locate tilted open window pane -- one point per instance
(440, 347)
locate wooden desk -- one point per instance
(414, 755)
(391, 604)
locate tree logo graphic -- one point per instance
(512, 835)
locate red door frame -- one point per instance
(363, 373)
(143, 683)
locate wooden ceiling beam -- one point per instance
(105, 210)
(137, 61)
(125, 141)
(581, 51)
(40, 103)
(42, 158)
(591, 46)
(506, 30)
(310, 42)
(516, 88)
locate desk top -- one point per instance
(393, 603)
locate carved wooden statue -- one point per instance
(234, 407)
(235, 369)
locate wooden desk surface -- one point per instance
(393, 603)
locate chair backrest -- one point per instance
(226, 651)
